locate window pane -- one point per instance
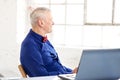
(74, 14)
(92, 36)
(73, 35)
(58, 34)
(99, 11)
(117, 11)
(58, 1)
(111, 37)
(39, 1)
(58, 12)
(75, 1)
(37, 5)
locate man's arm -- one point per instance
(32, 61)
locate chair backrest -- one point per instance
(24, 75)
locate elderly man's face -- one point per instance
(48, 23)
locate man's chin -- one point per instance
(50, 31)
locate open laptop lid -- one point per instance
(99, 64)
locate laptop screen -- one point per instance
(99, 64)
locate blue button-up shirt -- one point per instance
(39, 58)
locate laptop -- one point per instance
(97, 64)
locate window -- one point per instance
(73, 20)
(68, 19)
(102, 12)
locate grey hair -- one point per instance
(38, 13)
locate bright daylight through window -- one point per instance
(78, 23)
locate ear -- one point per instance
(40, 22)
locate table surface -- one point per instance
(33, 78)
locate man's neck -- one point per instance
(39, 31)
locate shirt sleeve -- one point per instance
(68, 70)
(33, 63)
(31, 60)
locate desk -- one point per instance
(33, 78)
(36, 78)
(43, 78)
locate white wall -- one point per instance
(8, 46)
(69, 57)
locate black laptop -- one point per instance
(97, 64)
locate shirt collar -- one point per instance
(38, 36)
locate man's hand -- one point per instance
(75, 70)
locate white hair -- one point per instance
(39, 12)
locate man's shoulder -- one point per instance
(28, 41)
